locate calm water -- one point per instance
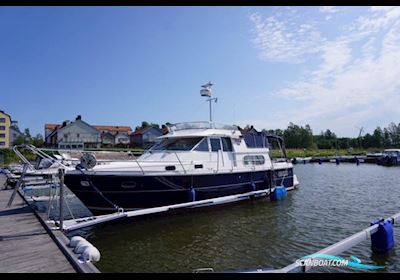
(333, 202)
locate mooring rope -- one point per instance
(119, 209)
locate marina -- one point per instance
(202, 172)
(389, 157)
(119, 155)
(235, 222)
(195, 171)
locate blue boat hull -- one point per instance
(138, 192)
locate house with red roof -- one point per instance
(81, 135)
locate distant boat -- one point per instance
(374, 155)
(303, 160)
(390, 157)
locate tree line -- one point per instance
(26, 138)
(299, 137)
(296, 136)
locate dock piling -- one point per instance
(61, 173)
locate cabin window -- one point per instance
(170, 167)
(177, 144)
(2, 127)
(85, 183)
(202, 146)
(255, 140)
(226, 144)
(215, 144)
(2, 120)
(253, 160)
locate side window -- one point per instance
(215, 144)
(253, 160)
(227, 144)
(202, 146)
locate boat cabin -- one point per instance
(208, 146)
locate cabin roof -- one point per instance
(203, 133)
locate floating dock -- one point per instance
(336, 159)
(28, 245)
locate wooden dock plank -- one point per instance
(25, 246)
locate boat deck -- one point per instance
(25, 245)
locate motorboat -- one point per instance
(194, 161)
(390, 157)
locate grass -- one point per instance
(291, 153)
(7, 156)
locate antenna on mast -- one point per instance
(206, 91)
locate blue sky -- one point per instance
(330, 67)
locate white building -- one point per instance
(81, 135)
(74, 135)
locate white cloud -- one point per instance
(281, 40)
(328, 9)
(357, 79)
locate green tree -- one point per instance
(278, 132)
(367, 141)
(145, 124)
(377, 138)
(27, 133)
(37, 141)
(298, 137)
(20, 140)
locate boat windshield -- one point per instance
(176, 144)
